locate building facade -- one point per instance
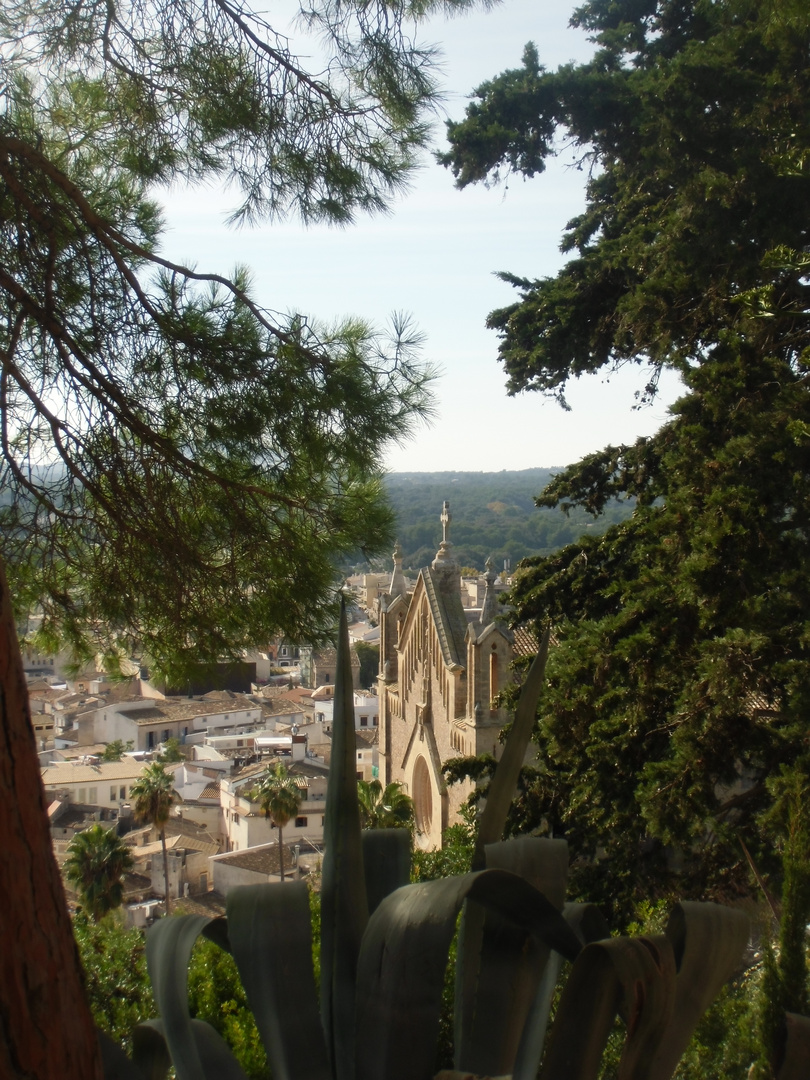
(442, 666)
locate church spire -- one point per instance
(399, 585)
(444, 556)
(444, 565)
(490, 607)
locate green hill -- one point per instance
(492, 514)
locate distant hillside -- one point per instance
(492, 514)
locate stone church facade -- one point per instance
(441, 666)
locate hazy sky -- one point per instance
(434, 257)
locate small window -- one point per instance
(375, 721)
(112, 793)
(122, 793)
(80, 794)
(93, 796)
(301, 822)
(363, 721)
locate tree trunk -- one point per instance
(281, 853)
(46, 1030)
(165, 871)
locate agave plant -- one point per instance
(384, 948)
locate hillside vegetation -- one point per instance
(492, 514)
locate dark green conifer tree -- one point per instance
(681, 681)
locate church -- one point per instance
(441, 667)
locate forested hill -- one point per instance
(492, 514)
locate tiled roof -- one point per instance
(149, 715)
(186, 826)
(449, 619)
(208, 903)
(174, 709)
(525, 641)
(365, 737)
(758, 704)
(145, 851)
(55, 776)
(261, 860)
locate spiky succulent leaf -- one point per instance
(387, 862)
(404, 955)
(344, 907)
(197, 1051)
(271, 940)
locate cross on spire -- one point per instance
(445, 520)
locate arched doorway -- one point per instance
(422, 796)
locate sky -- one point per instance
(435, 257)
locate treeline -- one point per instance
(492, 514)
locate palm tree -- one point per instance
(280, 797)
(384, 809)
(97, 860)
(153, 794)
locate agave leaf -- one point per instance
(115, 1065)
(796, 1049)
(217, 931)
(197, 1052)
(533, 1039)
(387, 862)
(495, 980)
(589, 925)
(220, 1064)
(150, 1052)
(502, 788)
(168, 950)
(404, 955)
(537, 859)
(708, 942)
(587, 922)
(344, 907)
(633, 975)
(647, 973)
(270, 935)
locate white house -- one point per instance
(366, 710)
(148, 723)
(106, 784)
(243, 822)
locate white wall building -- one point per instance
(244, 824)
(148, 723)
(366, 711)
(105, 784)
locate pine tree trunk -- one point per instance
(165, 870)
(46, 1030)
(281, 853)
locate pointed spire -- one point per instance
(489, 610)
(444, 561)
(398, 586)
